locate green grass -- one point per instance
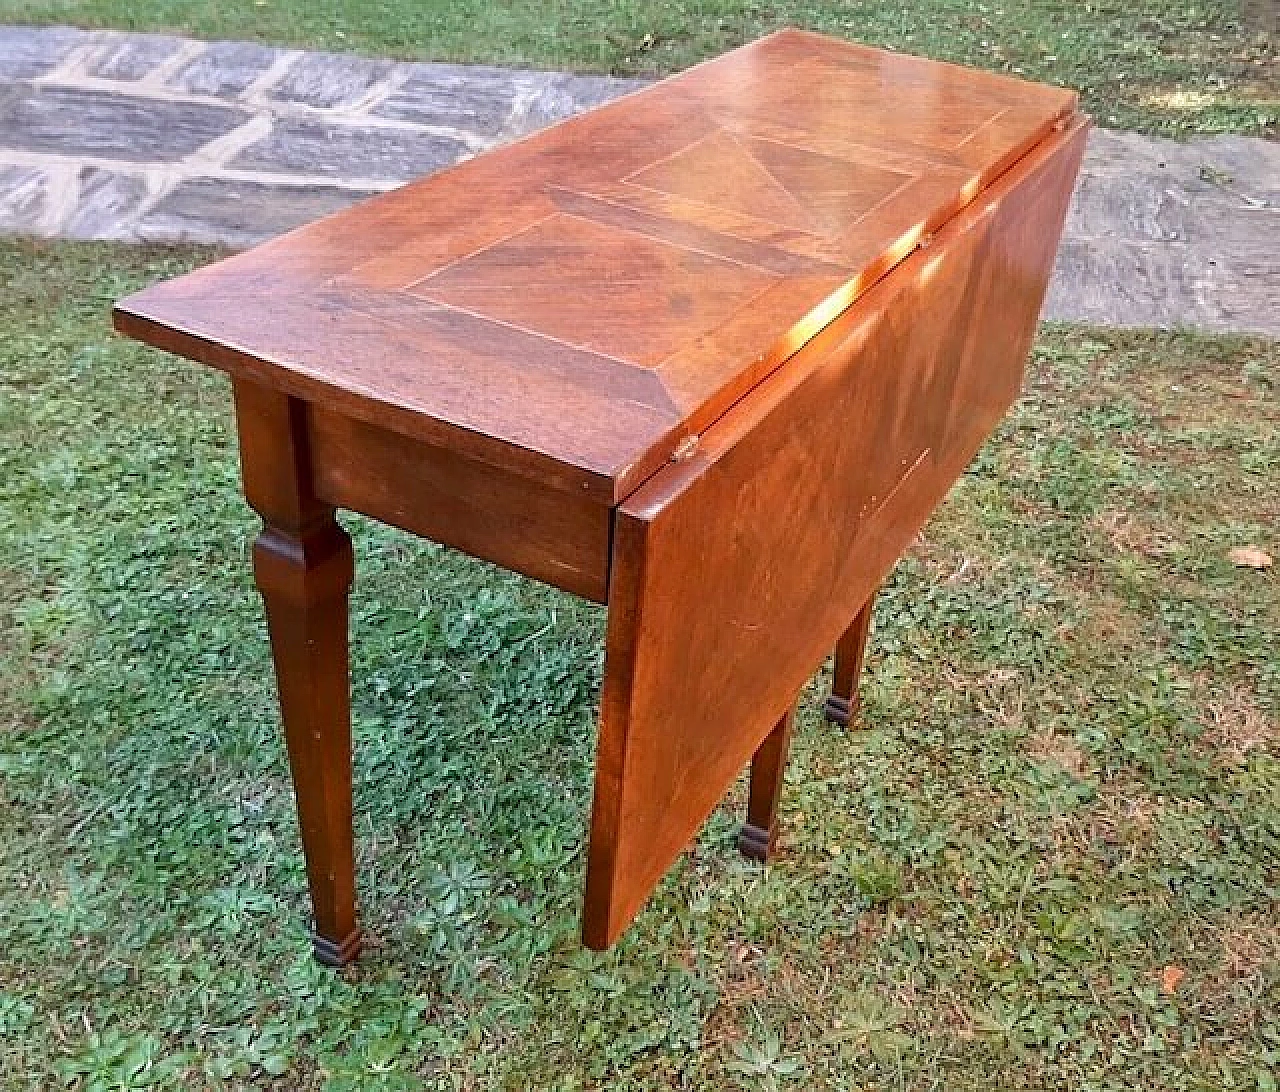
(1068, 778)
(1168, 66)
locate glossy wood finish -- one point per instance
(851, 653)
(709, 354)
(736, 569)
(557, 537)
(577, 304)
(759, 833)
(303, 565)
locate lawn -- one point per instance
(1049, 858)
(1168, 66)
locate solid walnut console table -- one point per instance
(710, 354)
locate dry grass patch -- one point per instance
(1235, 726)
(1128, 531)
(1250, 948)
(1063, 752)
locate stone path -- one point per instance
(152, 138)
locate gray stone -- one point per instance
(132, 56)
(10, 94)
(1162, 162)
(215, 210)
(1129, 151)
(1201, 168)
(1151, 284)
(329, 79)
(313, 147)
(477, 99)
(24, 199)
(496, 102)
(1240, 234)
(1251, 167)
(1249, 300)
(565, 95)
(225, 69)
(107, 199)
(1222, 166)
(73, 121)
(1130, 206)
(28, 52)
(1262, 15)
(589, 91)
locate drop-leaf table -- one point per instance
(710, 354)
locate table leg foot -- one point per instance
(839, 710)
(759, 833)
(754, 842)
(338, 954)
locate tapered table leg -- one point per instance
(842, 703)
(758, 834)
(303, 566)
(304, 580)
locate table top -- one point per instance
(577, 305)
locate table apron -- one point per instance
(489, 512)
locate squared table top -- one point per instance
(577, 304)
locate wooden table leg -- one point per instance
(758, 834)
(842, 703)
(304, 567)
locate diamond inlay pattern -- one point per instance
(778, 183)
(561, 276)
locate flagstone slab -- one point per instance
(480, 100)
(225, 69)
(330, 80)
(76, 121)
(1249, 167)
(1165, 286)
(1130, 207)
(103, 198)
(132, 56)
(237, 213)
(29, 52)
(24, 198)
(324, 149)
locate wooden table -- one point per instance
(710, 354)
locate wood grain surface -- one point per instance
(558, 537)
(575, 305)
(738, 568)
